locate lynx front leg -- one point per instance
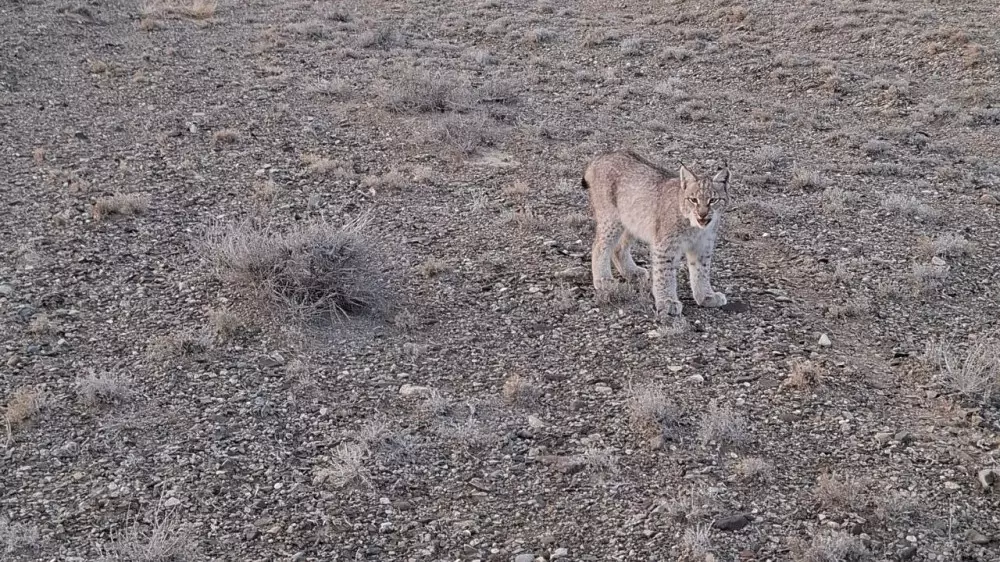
(665, 262)
(623, 261)
(605, 239)
(700, 269)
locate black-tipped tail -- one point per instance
(583, 183)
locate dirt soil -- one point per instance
(501, 411)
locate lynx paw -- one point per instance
(714, 300)
(638, 274)
(668, 310)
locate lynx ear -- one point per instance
(722, 176)
(686, 176)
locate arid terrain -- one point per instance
(190, 188)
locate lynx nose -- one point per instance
(704, 220)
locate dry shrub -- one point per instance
(225, 324)
(947, 245)
(834, 492)
(832, 547)
(193, 9)
(754, 469)
(105, 388)
(164, 541)
(804, 374)
(421, 91)
(465, 133)
(226, 136)
(722, 425)
(805, 179)
(382, 37)
(316, 270)
(17, 537)
(977, 376)
(540, 35)
(651, 412)
(181, 344)
(25, 403)
(122, 204)
(519, 391)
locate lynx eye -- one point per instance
(713, 201)
(693, 200)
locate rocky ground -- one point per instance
(498, 410)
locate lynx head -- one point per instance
(704, 198)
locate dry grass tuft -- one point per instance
(165, 541)
(754, 469)
(17, 538)
(382, 37)
(420, 91)
(122, 204)
(946, 245)
(803, 374)
(540, 35)
(837, 200)
(806, 179)
(25, 403)
(192, 9)
(320, 166)
(928, 277)
(832, 547)
(977, 376)
(184, 343)
(651, 412)
(315, 271)
(696, 543)
(465, 133)
(909, 206)
(432, 267)
(109, 389)
(226, 136)
(517, 190)
(722, 425)
(346, 468)
(841, 493)
(519, 391)
(225, 324)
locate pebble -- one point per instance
(732, 522)
(6, 290)
(560, 553)
(824, 341)
(904, 437)
(975, 537)
(171, 502)
(527, 557)
(414, 390)
(696, 379)
(906, 553)
(987, 477)
(989, 199)
(938, 261)
(883, 437)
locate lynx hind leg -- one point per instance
(605, 239)
(700, 270)
(623, 259)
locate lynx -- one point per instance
(675, 214)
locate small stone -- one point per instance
(603, 389)
(675, 368)
(938, 261)
(171, 502)
(25, 313)
(527, 557)
(656, 442)
(989, 199)
(883, 437)
(732, 522)
(904, 437)
(987, 477)
(824, 341)
(535, 422)
(906, 553)
(697, 379)
(560, 553)
(414, 390)
(949, 485)
(975, 537)
(385, 527)
(6, 290)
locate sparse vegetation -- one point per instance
(22, 405)
(722, 425)
(651, 412)
(103, 388)
(125, 204)
(315, 270)
(164, 540)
